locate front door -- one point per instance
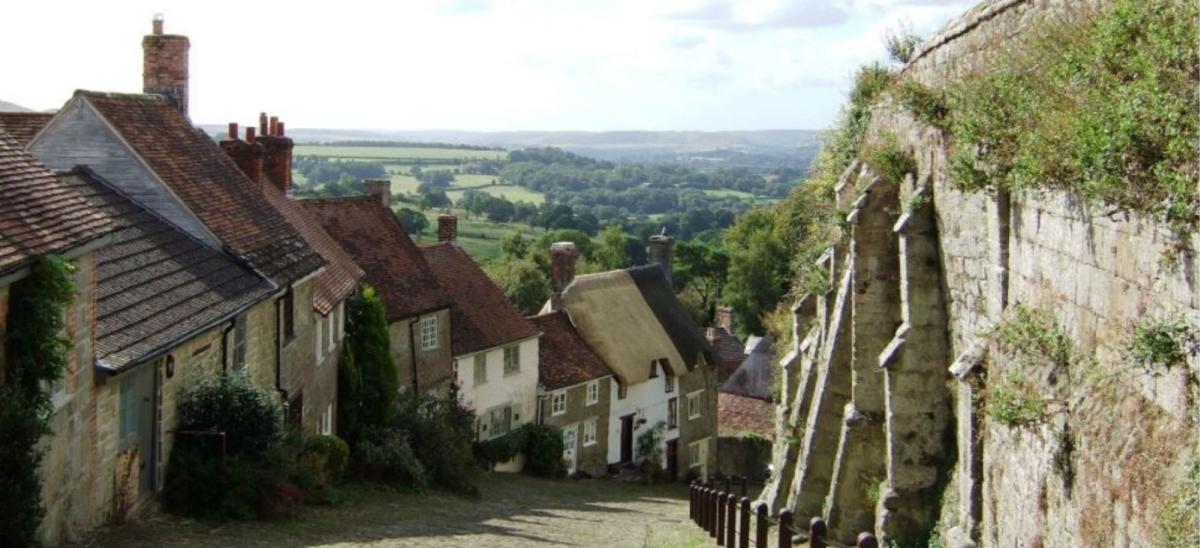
(672, 459)
(570, 437)
(137, 426)
(627, 438)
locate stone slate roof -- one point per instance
(729, 351)
(752, 379)
(739, 415)
(675, 319)
(39, 214)
(22, 126)
(377, 242)
(481, 317)
(209, 183)
(156, 286)
(564, 358)
(341, 275)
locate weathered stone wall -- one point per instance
(1116, 437)
(591, 459)
(434, 368)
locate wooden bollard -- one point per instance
(731, 521)
(712, 512)
(692, 501)
(785, 529)
(817, 530)
(744, 524)
(762, 525)
(704, 513)
(720, 529)
(867, 540)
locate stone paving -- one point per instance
(511, 511)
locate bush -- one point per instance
(542, 446)
(442, 433)
(367, 398)
(887, 159)
(926, 105)
(252, 480)
(901, 44)
(318, 464)
(386, 456)
(1106, 109)
(20, 501)
(1013, 402)
(1164, 342)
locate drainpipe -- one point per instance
(412, 350)
(225, 344)
(279, 353)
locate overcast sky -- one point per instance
(473, 64)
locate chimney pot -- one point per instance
(381, 188)
(274, 127)
(724, 318)
(250, 134)
(262, 124)
(233, 131)
(447, 228)
(157, 24)
(281, 128)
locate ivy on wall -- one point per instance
(36, 354)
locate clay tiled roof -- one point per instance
(564, 358)
(209, 183)
(341, 276)
(22, 126)
(38, 213)
(393, 264)
(155, 285)
(729, 351)
(739, 415)
(481, 316)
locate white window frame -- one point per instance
(341, 320)
(589, 432)
(558, 403)
(593, 393)
(672, 413)
(330, 325)
(480, 369)
(668, 383)
(429, 332)
(694, 403)
(512, 360)
(327, 420)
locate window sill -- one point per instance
(558, 414)
(588, 444)
(693, 417)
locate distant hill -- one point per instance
(6, 106)
(766, 148)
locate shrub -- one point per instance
(1013, 402)
(248, 415)
(320, 464)
(252, 480)
(20, 501)
(369, 402)
(887, 159)
(926, 105)
(1164, 342)
(901, 44)
(1083, 108)
(543, 448)
(442, 433)
(1177, 523)
(387, 456)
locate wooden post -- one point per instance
(720, 529)
(692, 501)
(731, 521)
(744, 525)
(785, 529)
(867, 540)
(712, 513)
(816, 533)
(761, 527)
(705, 515)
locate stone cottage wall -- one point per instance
(1117, 437)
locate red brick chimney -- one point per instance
(165, 65)
(248, 155)
(724, 318)
(562, 270)
(380, 188)
(277, 153)
(447, 228)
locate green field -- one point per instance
(479, 237)
(398, 153)
(508, 192)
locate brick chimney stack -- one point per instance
(724, 318)
(661, 251)
(380, 188)
(447, 228)
(247, 154)
(165, 65)
(562, 270)
(277, 152)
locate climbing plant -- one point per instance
(35, 356)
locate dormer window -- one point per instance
(654, 369)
